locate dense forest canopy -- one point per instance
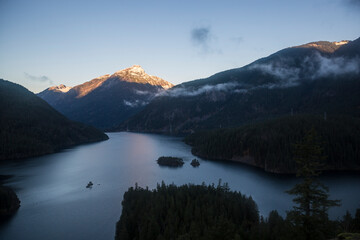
(209, 212)
(269, 144)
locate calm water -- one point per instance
(56, 205)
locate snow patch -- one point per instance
(341, 43)
(60, 88)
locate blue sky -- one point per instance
(46, 42)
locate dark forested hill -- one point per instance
(310, 79)
(269, 145)
(29, 126)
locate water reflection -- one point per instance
(57, 205)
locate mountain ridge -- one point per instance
(107, 100)
(300, 79)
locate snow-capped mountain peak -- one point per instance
(137, 74)
(60, 88)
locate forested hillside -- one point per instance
(31, 127)
(269, 144)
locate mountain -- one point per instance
(54, 94)
(31, 127)
(313, 78)
(270, 144)
(107, 100)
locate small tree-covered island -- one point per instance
(195, 163)
(170, 161)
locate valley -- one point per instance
(243, 123)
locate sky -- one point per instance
(46, 42)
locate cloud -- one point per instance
(187, 92)
(136, 103)
(336, 66)
(311, 68)
(314, 67)
(139, 92)
(355, 3)
(352, 5)
(291, 75)
(38, 78)
(202, 38)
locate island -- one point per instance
(89, 185)
(170, 161)
(195, 163)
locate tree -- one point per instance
(312, 198)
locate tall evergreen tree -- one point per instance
(311, 196)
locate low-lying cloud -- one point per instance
(189, 92)
(136, 103)
(336, 66)
(314, 67)
(38, 78)
(287, 75)
(140, 92)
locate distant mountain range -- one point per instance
(108, 100)
(314, 78)
(31, 127)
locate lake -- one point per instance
(55, 203)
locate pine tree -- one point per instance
(311, 196)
